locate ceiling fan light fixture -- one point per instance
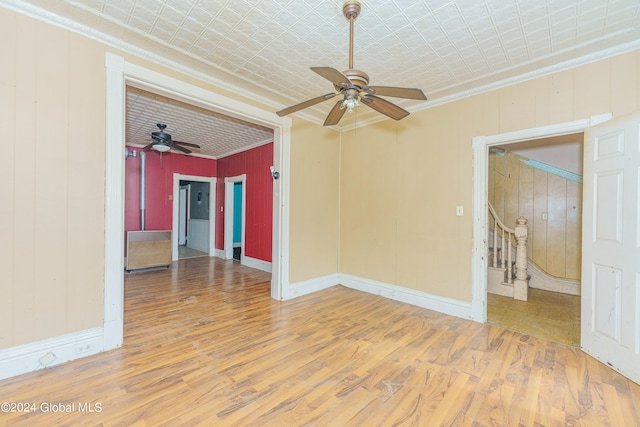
(161, 148)
(350, 104)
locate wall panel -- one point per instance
(159, 189)
(255, 164)
(54, 200)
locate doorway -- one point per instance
(481, 146)
(193, 216)
(194, 225)
(540, 180)
(234, 217)
(237, 220)
(119, 73)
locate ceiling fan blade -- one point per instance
(396, 92)
(188, 144)
(385, 107)
(334, 76)
(335, 114)
(146, 147)
(179, 148)
(305, 104)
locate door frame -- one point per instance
(121, 73)
(481, 145)
(183, 207)
(177, 177)
(229, 196)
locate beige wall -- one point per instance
(52, 117)
(401, 181)
(314, 206)
(516, 189)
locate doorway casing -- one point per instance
(119, 74)
(481, 146)
(229, 196)
(176, 211)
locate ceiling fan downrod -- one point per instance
(351, 10)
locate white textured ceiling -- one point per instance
(264, 48)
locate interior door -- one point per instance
(610, 325)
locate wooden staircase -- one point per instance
(505, 276)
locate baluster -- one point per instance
(509, 262)
(502, 250)
(495, 242)
(521, 284)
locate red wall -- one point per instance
(160, 170)
(255, 164)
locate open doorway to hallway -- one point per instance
(540, 180)
(193, 222)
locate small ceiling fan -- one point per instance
(162, 142)
(354, 87)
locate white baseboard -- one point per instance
(410, 296)
(219, 253)
(256, 263)
(421, 299)
(50, 352)
(313, 285)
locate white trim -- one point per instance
(114, 203)
(219, 253)
(175, 223)
(410, 296)
(481, 146)
(280, 227)
(256, 263)
(312, 285)
(229, 196)
(437, 303)
(27, 358)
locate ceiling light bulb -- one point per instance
(161, 147)
(350, 104)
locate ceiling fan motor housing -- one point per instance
(358, 79)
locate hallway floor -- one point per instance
(546, 314)
(185, 252)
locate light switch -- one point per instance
(459, 211)
(545, 216)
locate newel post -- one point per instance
(521, 284)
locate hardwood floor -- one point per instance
(206, 345)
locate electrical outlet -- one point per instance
(545, 216)
(83, 348)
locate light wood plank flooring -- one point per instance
(206, 345)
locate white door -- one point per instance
(610, 326)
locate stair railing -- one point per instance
(502, 239)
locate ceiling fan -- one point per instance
(354, 87)
(162, 142)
